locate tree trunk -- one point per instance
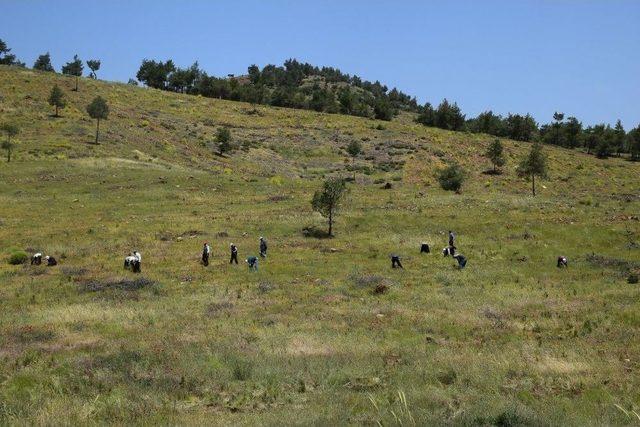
(97, 130)
(331, 222)
(57, 111)
(533, 183)
(76, 83)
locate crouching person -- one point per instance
(395, 261)
(253, 263)
(462, 261)
(36, 259)
(562, 262)
(51, 261)
(449, 250)
(128, 261)
(136, 267)
(206, 252)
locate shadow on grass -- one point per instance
(315, 233)
(492, 172)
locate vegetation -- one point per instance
(99, 110)
(73, 68)
(7, 58)
(510, 339)
(534, 164)
(495, 154)
(56, 99)
(295, 85)
(18, 257)
(452, 177)
(223, 137)
(326, 201)
(43, 63)
(94, 65)
(10, 130)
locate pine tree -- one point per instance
(43, 63)
(73, 68)
(495, 154)
(11, 130)
(99, 110)
(94, 65)
(56, 99)
(535, 164)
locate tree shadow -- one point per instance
(316, 233)
(492, 172)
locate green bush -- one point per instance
(18, 257)
(452, 177)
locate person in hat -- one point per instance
(263, 247)
(206, 251)
(234, 254)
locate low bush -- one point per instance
(452, 177)
(18, 257)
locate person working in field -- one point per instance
(206, 252)
(562, 261)
(395, 261)
(234, 254)
(253, 263)
(263, 247)
(51, 261)
(462, 260)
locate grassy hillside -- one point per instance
(509, 340)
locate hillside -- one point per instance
(509, 340)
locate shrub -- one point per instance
(18, 257)
(632, 279)
(452, 177)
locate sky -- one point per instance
(580, 57)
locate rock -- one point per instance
(333, 250)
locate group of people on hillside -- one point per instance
(133, 261)
(252, 261)
(36, 259)
(450, 250)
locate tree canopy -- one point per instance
(43, 63)
(534, 164)
(326, 201)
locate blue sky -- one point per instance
(581, 57)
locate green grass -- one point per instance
(509, 340)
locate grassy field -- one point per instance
(509, 340)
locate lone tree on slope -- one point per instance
(99, 110)
(56, 99)
(495, 154)
(354, 149)
(94, 65)
(11, 130)
(327, 200)
(73, 68)
(452, 177)
(223, 137)
(535, 164)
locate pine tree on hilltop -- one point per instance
(73, 68)
(43, 63)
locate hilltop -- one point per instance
(510, 339)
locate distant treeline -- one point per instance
(294, 85)
(601, 140)
(327, 89)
